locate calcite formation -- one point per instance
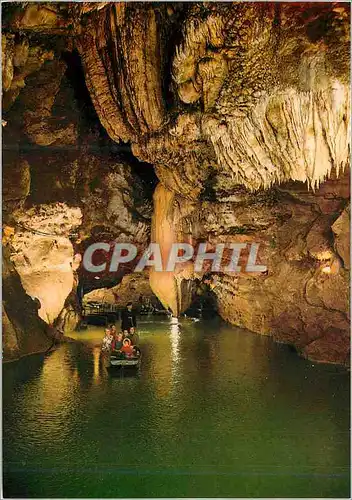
(24, 332)
(125, 37)
(269, 84)
(43, 255)
(131, 288)
(240, 109)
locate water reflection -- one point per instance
(175, 351)
(97, 364)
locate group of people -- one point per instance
(126, 341)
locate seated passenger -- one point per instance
(126, 348)
(117, 342)
(107, 340)
(133, 336)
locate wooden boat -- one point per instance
(117, 362)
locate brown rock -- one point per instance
(333, 347)
(23, 331)
(16, 180)
(341, 229)
(43, 254)
(131, 288)
(317, 240)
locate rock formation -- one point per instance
(268, 84)
(65, 186)
(132, 286)
(243, 110)
(24, 332)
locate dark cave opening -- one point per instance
(88, 116)
(172, 35)
(90, 121)
(204, 304)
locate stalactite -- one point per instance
(121, 51)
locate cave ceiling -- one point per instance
(214, 95)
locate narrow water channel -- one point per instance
(214, 411)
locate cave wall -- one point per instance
(260, 91)
(66, 185)
(43, 255)
(132, 286)
(24, 332)
(303, 297)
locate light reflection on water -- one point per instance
(214, 411)
(175, 351)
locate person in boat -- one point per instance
(107, 340)
(128, 318)
(127, 348)
(113, 330)
(117, 342)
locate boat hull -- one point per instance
(116, 363)
(125, 363)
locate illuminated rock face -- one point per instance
(243, 111)
(23, 331)
(126, 39)
(131, 288)
(268, 86)
(43, 255)
(173, 288)
(303, 298)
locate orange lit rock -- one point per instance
(341, 229)
(173, 288)
(131, 288)
(23, 332)
(43, 255)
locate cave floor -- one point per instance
(215, 411)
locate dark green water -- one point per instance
(215, 412)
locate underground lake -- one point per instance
(214, 411)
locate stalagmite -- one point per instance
(173, 288)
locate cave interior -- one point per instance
(178, 122)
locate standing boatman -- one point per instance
(128, 318)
